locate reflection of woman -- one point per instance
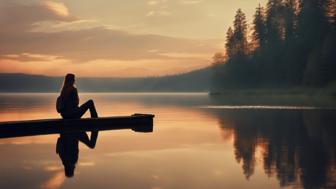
(67, 148)
(70, 100)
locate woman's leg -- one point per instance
(89, 105)
(91, 143)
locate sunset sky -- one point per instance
(110, 38)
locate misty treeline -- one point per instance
(194, 81)
(291, 43)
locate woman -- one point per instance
(70, 100)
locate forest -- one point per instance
(290, 44)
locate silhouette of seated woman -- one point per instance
(70, 101)
(67, 143)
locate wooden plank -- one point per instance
(136, 122)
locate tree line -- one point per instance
(291, 43)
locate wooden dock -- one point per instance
(136, 122)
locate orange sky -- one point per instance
(104, 38)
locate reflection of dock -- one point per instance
(136, 122)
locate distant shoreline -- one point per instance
(322, 97)
(285, 92)
(118, 92)
(195, 81)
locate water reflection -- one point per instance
(68, 151)
(197, 143)
(298, 147)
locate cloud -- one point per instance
(46, 34)
(99, 42)
(158, 13)
(18, 16)
(153, 2)
(156, 2)
(58, 8)
(190, 2)
(28, 57)
(56, 26)
(158, 8)
(150, 13)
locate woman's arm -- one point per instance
(76, 96)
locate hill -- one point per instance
(194, 81)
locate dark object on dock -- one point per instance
(136, 122)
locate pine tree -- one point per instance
(274, 23)
(240, 34)
(229, 45)
(259, 27)
(290, 9)
(312, 21)
(313, 29)
(332, 13)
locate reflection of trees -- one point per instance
(299, 147)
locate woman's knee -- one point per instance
(92, 146)
(90, 102)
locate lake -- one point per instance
(198, 141)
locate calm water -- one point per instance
(198, 142)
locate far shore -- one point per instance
(297, 96)
(283, 92)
